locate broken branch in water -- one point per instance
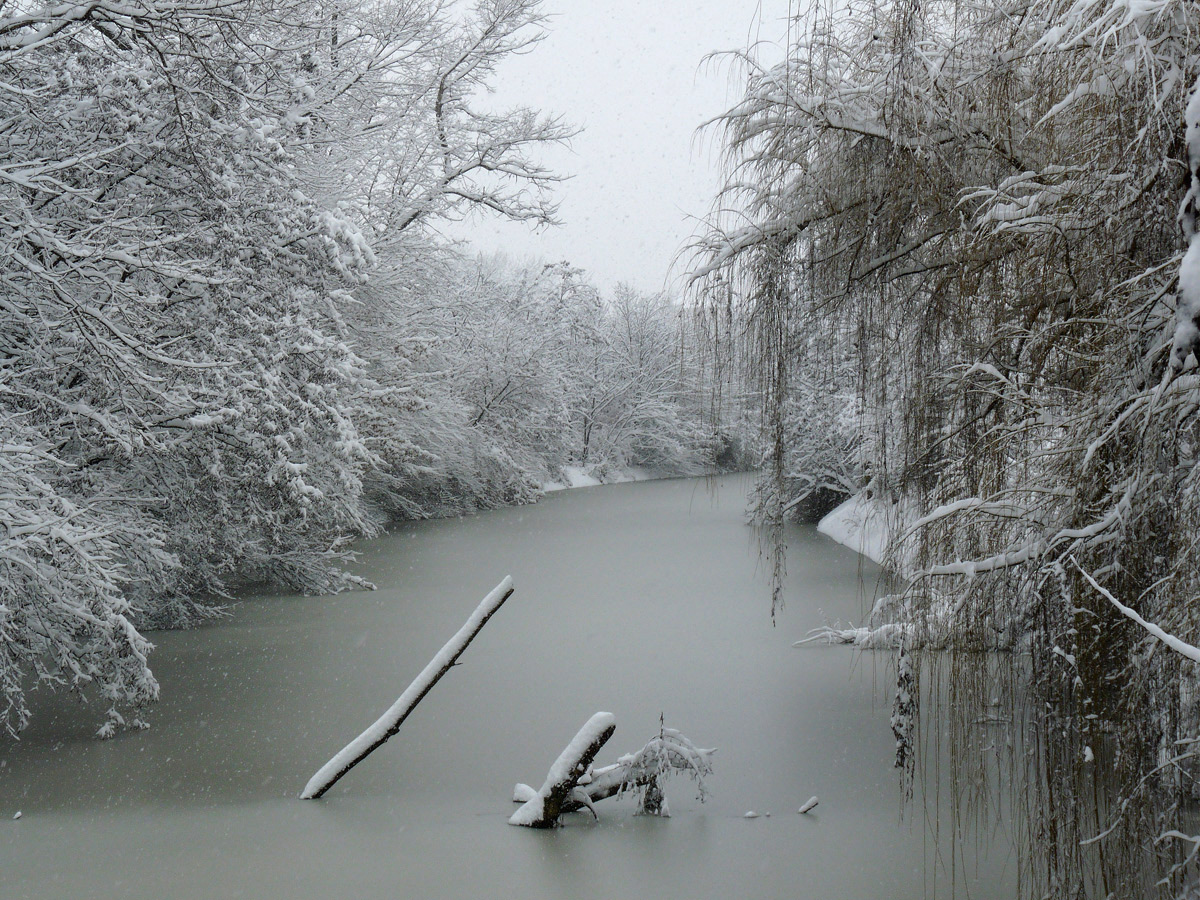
(389, 723)
(542, 809)
(888, 636)
(643, 771)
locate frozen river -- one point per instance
(639, 599)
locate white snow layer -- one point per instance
(1189, 294)
(533, 809)
(386, 724)
(1188, 310)
(861, 523)
(577, 477)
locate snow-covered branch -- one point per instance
(1183, 648)
(389, 723)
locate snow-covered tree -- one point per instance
(198, 201)
(166, 333)
(499, 376)
(636, 400)
(975, 203)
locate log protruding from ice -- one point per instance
(642, 772)
(543, 808)
(389, 723)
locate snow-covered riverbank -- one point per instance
(861, 523)
(578, 477)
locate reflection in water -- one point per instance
(642, 599)
(1002, 753)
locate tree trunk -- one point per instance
(543, 809)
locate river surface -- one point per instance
(640, 599)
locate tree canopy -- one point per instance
(233, 340)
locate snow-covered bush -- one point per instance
(644, 772)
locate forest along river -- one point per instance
(636, 599)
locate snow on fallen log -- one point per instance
(670, 752)
(389, 723)
(543, 809)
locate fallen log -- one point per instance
(543, 808)
(605, 782)
(608, 781)
(670, 752)
(389, 723)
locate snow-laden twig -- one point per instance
(1182, 647)
(1174, 835)
(389, 723)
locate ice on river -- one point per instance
(644, 599)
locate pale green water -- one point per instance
(637, 599)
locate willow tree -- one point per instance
(975, 205)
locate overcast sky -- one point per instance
(631, 74)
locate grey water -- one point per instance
(639, 599)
